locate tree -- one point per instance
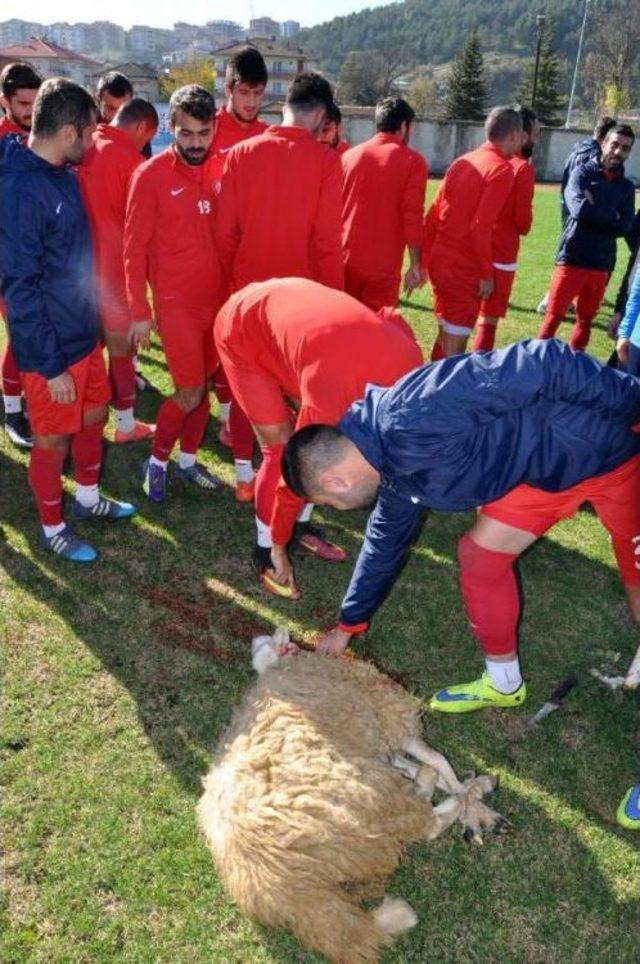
(549, 100)
(196, 71)
(611, 73)
(423, 97)
(467, 88)
(368, 76)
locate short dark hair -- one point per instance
(529, 119)
(334, 114)
(60, 102)
(136, 110)
(194, 100)
(391, 113)
(18, 76)
(247, 66)
(115, 84)
(309, 450)
(603, 126)
(623, 129)
(308, 91)
(502, 121)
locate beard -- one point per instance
(527, 151)
(193, 155)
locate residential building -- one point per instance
(264, 28)
(290, 28)
(52, 60)
(283, 63)
(144, 79)
(16, 31)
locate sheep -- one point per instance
(312, 797)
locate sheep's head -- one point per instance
(267, 650)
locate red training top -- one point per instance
(293, 338)
(459, 224)
(168, 237)
(279, 213)
(382, 204)
(7, 126)
(104, 178)
(229, 132)
(516, 216)
(343, 147)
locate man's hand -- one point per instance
(282, 571)
(334, 642)
(414, 278)
(612, 326)
(485, 288)
(62, 389)
(622, 348)
(139, 333)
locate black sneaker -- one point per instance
(18, 428)
(261, 558)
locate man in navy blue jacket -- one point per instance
(528, 433)
(47, 283)
(600, 206)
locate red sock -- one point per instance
(485, 337)
(122, 377)
(549, 326)
(242, 437)
(490, 595)
(266, 481)
(45, 479)
(580, 334)
(169, 425)
(10, 374)
(437, 352)
(86, 452)
(194, 427)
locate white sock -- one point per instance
(225, 408)
(50, 531)
(87, 495)
(264, 534)
(505, 676)
(125, 422)
(12, 404)
(305, 512)
(244, 470)
(186, 460)
(161, 465)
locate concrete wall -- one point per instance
(442, 141)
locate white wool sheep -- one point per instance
(311, 799)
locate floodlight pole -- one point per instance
(567, 123)
(540, 22)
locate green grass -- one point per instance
(120, 677)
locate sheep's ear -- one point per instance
(281, 637)
(263, 653)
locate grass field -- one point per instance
(119, 678)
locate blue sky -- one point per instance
(163, 14)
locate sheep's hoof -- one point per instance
(472, 836)
(500, 824)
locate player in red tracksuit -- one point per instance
(331, 132)
(280, 206)
(19, 85)
(458, 231)
(245, 81)
(383, 208)
(514, 222)
(168, 241)
(291, 340)
(104, 179)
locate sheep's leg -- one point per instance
(444, 815)
(447, 780)
(406, 767)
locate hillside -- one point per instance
(432, 31)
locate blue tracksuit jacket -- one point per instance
(454, 435)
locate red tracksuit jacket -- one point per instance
(168, 237)
(279, 213)
(293, 338)
(516, 217)
(459, 224)
(104, 178)
(229, 133)
(382, 204)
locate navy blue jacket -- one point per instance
(587, 150)
(464, 431)
(589, 236)
(45, 262)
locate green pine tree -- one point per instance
(467, 87)
(549, 101)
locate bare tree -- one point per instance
(613, 56)
(367, 76)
